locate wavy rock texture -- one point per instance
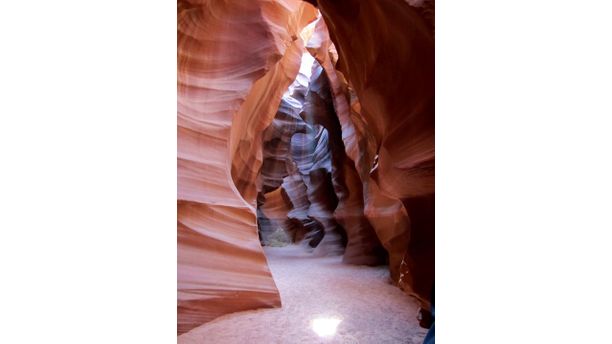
(370, 217)
(235, 59)
(278, 164)
(326, 104)
(279, 174)
(306, 137)
(340, 155)
(386, 53)
(298, 159)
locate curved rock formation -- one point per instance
(235, 59)
(298, 158)
(279, 173)
(386, 52)
(306, 137)
(339, 153)
(327, 105)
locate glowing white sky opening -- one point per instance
(325, 327)
(306, 66)
(303, 77)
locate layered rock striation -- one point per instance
(337, 153)
(235, 59)
(298, 167)
(386, 55)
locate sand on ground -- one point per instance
(369, 308)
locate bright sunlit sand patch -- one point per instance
(325, 327)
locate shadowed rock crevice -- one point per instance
(299, 160)
(305, 157)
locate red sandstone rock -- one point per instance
(386, 52)
(352, 147)
(363, 246)
(235, 59)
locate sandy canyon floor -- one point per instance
(320, 295)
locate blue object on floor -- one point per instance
(429, 338)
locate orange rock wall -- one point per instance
(386, 55)
(235, 58)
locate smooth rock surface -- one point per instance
(386, 55)
(235, 59)
(343, 152)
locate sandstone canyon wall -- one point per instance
(386, 53)
(339, 155)
(235, 58)
(319, 195)
(299, 159)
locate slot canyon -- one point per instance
(305, 206)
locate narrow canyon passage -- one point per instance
(322, 290)
(305, 171)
